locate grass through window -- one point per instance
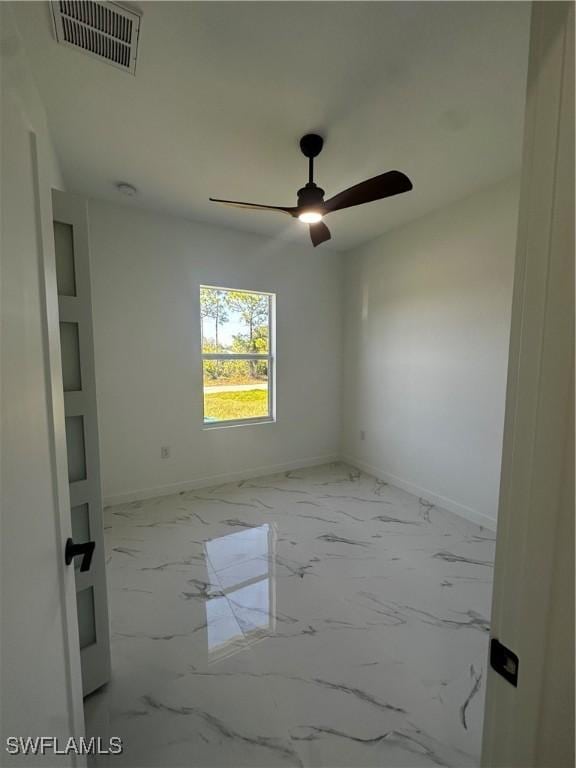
(225, 406)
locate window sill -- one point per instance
(207, 426)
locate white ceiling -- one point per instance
(223, 92)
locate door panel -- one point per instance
(75, 314)
(40, 690)
(532, 724)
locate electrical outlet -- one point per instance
(362, 435)
(165, 452)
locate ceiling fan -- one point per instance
(312, 207)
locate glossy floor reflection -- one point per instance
(313, 618)
(241, 609)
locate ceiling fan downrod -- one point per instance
(311, 145)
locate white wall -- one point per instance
(426, 345)
(146, 272)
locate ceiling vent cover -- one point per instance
(105, 30)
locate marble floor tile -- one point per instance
(310, 618)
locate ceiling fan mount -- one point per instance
(311, 145)
(311, 207)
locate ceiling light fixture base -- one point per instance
(126, 189)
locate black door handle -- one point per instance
(86, 549)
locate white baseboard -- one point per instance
(211, 480)
(441, 501)
(228, 477)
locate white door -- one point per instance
(529, 721)
(86, 545)
(40, 692)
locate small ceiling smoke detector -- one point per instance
(126, 189)
(102, 29)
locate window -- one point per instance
(237, 355)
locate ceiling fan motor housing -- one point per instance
(310, 195)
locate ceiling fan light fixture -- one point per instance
(310, 217)
(311, 208)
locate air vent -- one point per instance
(102, 29)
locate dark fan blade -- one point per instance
(319, 233)
(254, 206)
(385, 185)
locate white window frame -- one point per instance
(269, 357)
